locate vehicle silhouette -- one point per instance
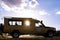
(21, 26)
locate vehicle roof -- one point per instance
(17, 18)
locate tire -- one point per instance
(1, 27)
(49, 34)
(15, 34)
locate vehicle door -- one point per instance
(39, 28)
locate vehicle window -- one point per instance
(10, 22)
(15, 22)
(38, 24)
(19, 22)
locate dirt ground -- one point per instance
(27, 37)
(55, 38)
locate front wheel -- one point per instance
(49, 34)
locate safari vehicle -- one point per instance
(21, 26)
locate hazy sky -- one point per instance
(46, 10)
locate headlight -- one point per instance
(27, 23)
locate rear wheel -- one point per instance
(15, 34)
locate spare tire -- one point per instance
(1, 27)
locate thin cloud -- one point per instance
(32, 13)
(13, 4)
(43, 12)
(58, 12)
(19, 10)
(5, 6)
(17, 4)
(33, 3)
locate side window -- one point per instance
(19, 22)
(15, 23)
(10, 22)
(38, 24)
